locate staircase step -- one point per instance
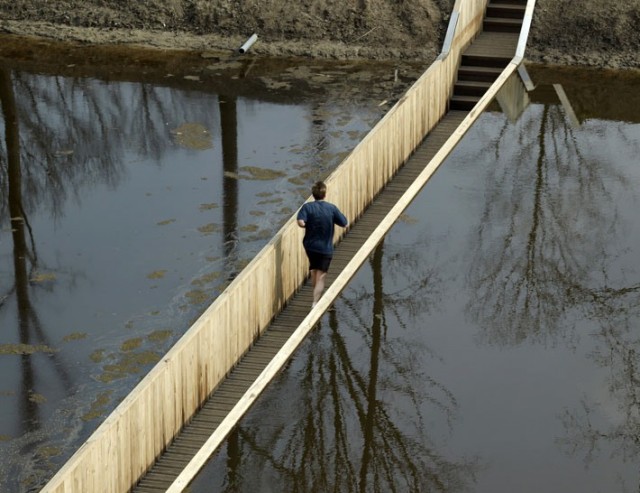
(463, 102)
(470, 87)
(474, 73)
(502, 25)
(485, 60)
(509, 10)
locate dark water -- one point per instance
(130, 195)
(490, 344)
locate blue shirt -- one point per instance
(320, 218)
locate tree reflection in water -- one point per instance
(80, 133)
(617, 311)
(61, 137)
(540, 248)
(345, 419)
(550, 251)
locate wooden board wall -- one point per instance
(125, 445)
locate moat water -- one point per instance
(489, 344)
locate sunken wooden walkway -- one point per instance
(482, 62)
(196, 433)
(180, 413)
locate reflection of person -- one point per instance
(318, 218)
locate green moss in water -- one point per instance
(75, 336)
(49, 451)
(209, 228)
(206, 279)
(256, 173)
(131, 344)
(98, 406)
(25, 349)
(261, 235)
(197, 296)
(160, 335)
(129, 364)
(277, 200)
(165, 222)
(193, 135)
(97, 356)
(250, 228)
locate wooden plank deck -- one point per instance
(493, 44)
(187, 443)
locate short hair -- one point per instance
(319, 190)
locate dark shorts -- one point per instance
(319, 261)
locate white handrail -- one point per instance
(451, 32)
(524, 32)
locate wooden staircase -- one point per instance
(504, 15)
(490, 52)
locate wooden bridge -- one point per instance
(161, 435)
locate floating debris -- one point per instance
(25, 349)
(193, 136)
(256, 173)
(41, 277)
(231, 174)
(157, 274)
(37, 398)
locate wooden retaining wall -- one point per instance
(123, 447)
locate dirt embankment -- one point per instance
(587, 32)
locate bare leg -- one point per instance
(317, 281)
(313, 284)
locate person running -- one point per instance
(318, 219)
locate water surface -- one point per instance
(133, 187)
(490, 344)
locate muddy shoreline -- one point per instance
(588, 35)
